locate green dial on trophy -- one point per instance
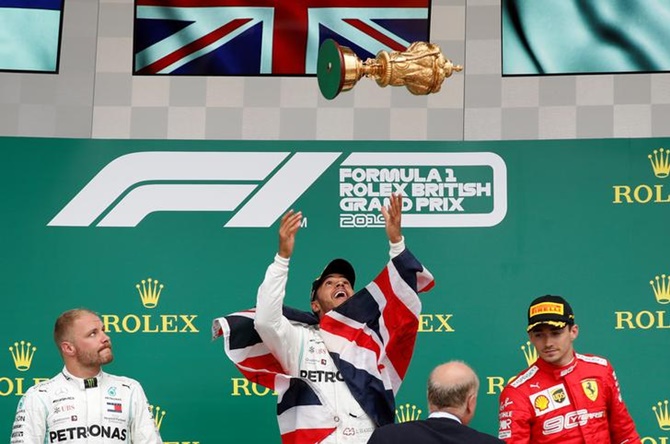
(330, 69)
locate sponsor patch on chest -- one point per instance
(550, 399)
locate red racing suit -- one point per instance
(579, 403)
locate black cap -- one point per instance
(336, 266)
(551, 310)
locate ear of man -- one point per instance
(470, 406)
(67, 348)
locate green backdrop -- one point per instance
(497, 223)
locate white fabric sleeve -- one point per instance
(30, 423)
(143, 428)
(396, 248)
(280, 336)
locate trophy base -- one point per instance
(330, 69)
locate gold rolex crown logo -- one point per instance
(158, 415)
(22, 354)
(530, 353)
(407, 412)
(662, 415)
(661, 286)
(660, 162)
(150, 292)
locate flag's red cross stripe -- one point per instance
(192, 47)
(290, 27)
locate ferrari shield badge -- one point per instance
(590, 387)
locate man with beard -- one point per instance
(83, 404)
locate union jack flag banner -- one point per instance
(380, 320)
(267, 37)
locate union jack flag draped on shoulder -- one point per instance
(252, 37)
(382, 319)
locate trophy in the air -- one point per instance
(421, 68)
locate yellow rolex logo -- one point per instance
(661, 287)
(660, 162)
(158, 415)
(647, 193)
(150, 292)
(662, 415)
(590, 387)
(404, 413)
(530, 353)
(22, 354)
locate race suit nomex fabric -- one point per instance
(579, 403)
(106, 409)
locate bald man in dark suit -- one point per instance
(452, 399)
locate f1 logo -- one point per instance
(131, 180)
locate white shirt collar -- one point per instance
(445, 415)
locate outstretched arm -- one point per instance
(281, 338)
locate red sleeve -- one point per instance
(515, 416)
(622, 427)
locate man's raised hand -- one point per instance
(290, 223)
(392, 218)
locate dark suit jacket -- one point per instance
(430, 431)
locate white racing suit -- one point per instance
(301, 351)
(112, 410)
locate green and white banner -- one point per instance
(160, 237)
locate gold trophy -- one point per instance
(421, 68)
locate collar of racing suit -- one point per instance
(83, 383)
(558, 372)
